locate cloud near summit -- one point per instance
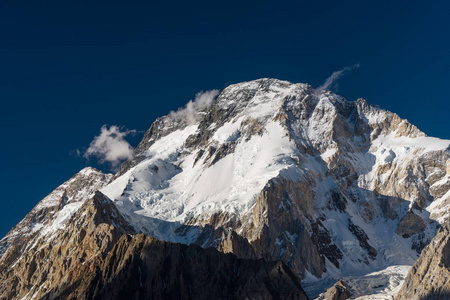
(201, 101)
(110, 146)
(335, 76)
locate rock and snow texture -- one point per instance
(277, 170)
(380, 285)
(53, 212)
(352, 173)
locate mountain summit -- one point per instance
(268, 170)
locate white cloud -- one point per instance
(335, 76)
(202, 100)
(110, 147)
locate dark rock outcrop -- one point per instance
(142, 267)
(363, 239)
(410, 224)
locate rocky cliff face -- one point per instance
(95, 257)
(160, 270)
(270, 170)
(66, 259)
(429, 278)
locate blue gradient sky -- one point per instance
(69, 67)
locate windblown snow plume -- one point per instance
(110, 146)
(202, 100)
(335, 76)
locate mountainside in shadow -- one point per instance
(96, 257)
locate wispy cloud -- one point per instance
(201, 101)
(109, 147)
(335, 76)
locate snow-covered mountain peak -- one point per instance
(276, 170)
(257, 92)
(311, 117)
(280, 164)
(253, 132)
(88, 171)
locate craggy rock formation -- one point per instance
(429, 278)
(338, 291)
(293, 242)
(145, 268)
(71, 193)
(67, 259)
(95, 257)
(410, 224)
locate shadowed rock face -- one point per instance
(95, 257)
(410, 224)
(142, 267)
(429, 278)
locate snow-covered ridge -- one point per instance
(82, 192)
(173, 189)
(52, 212)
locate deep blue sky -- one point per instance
(68, 67)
